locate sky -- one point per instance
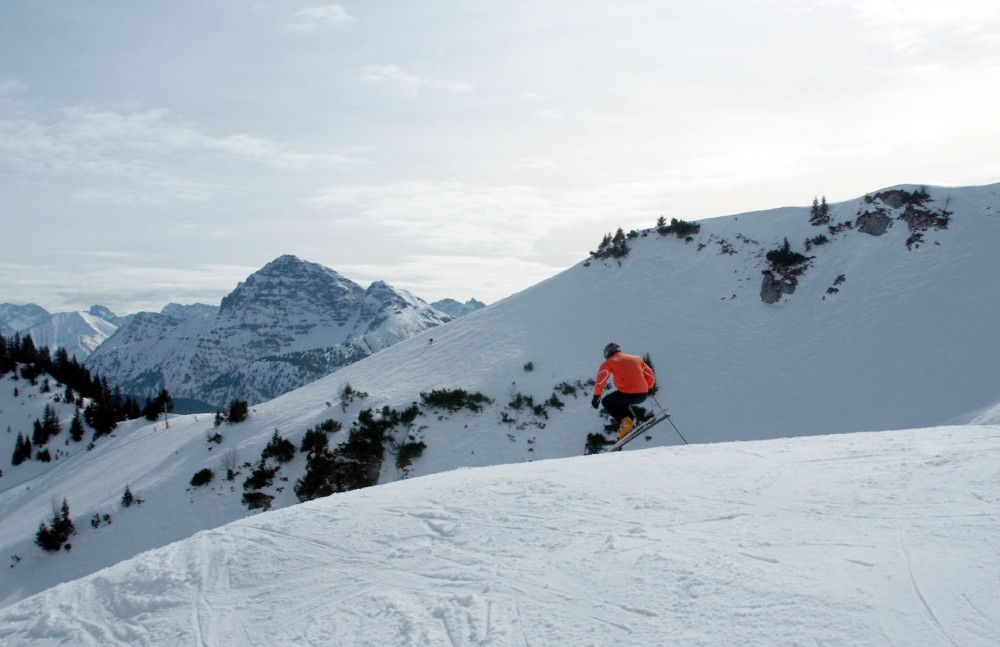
(161, 152)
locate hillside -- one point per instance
(905, 341)
(856, 539)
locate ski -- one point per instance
(639, 430)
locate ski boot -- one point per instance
(625, 427)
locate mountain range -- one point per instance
(872, 314)
(287, 324)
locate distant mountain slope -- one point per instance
(80, 333)
(286, 325)
(905, 340)
(15, 318)
(455, 309)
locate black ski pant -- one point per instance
(617, 403)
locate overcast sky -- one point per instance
(164, 150)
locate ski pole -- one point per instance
(668, 418)
(676, 429)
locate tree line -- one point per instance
(104, 409)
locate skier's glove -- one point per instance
(595, 401)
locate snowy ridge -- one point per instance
(860, 539)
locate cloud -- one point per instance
(124, 284)
(431, 277)
(395, 76)
(444, 216)
(468, 219)
(9, 86)
(536, 164)
(317, 17)
(141, 157)
(912, 27)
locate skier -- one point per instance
(633, 381)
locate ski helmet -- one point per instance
(611, 349)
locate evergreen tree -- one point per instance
(27, 353)
(60, 365)
(39, 435)
(76, 429)
(50, 421)
(101, 414)
(154, 407)
(6, 359)
(52, 537)
(281, 449)
(819, 213)
(19, 450)
(238, 411)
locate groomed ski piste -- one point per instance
(884, 538)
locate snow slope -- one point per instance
(80, 333)
(856, 539)
(14, 317)
(908, 341)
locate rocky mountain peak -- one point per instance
(289, 283)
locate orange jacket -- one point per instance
(630, 373)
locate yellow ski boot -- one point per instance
(625, 427)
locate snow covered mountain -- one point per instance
(455, 309)
(286, 325)
(886, 324)
(80, 333)
(15, 318)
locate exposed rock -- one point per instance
(875, 223)
(774, 285)
(894, 198)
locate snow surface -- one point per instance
(908, 342)
(859, 539)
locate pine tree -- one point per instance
(18, 457)
(281, 449)
(6, 363)
(238, 411)
(39, 435)
(76, 429)
(154, 407)
(27, 353)
(819, 213)
(50, 421)
(52, 537)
